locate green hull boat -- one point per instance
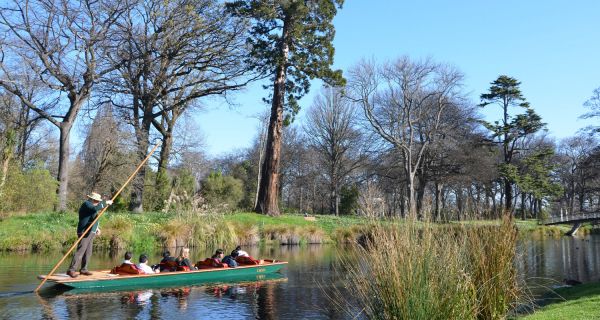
(104, 279)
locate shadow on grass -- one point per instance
(570, 293)
(578, 302)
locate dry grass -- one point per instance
(421, 271)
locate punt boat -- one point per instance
(104, 279)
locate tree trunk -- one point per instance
(523, 216)
(572, 197)
(165, 151)
(63, 166)
(162, 186)
(438, 201)
(333, 190)
(261, 154)
(24, 133)
(459, 203)
(494, 206)
(268, 190)
(508, 196)
(137, 193)
(421, 194)
(402, 203)
(412, 203)
(6, 155)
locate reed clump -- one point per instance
(117, 232)
(417, 270)
(313, 235)
(175, 233)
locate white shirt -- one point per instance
(145, 268)
(242, 253)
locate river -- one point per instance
(302, 291)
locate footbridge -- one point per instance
(574, 219)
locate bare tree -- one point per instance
(60, 42)
(404, 102)
(170, 54)
(103, 153)
(593, 103)
(330, 129)
(574, 151)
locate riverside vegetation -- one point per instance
(54, 231)
(421, 271)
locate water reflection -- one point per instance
(547, 262)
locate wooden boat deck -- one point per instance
(96, 275)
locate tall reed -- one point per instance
(417, 270)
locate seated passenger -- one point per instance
(143, 265)
(128, 256)
(230, 261)
(168, 263)
(218, 256)
(240, 252)
(184, 260)
(127, 267)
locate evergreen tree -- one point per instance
(536, 179)
(291, 41)
(508, 131)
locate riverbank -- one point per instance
(575, 303)
(55, 231)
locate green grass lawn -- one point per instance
(574, 303)
(326, 222)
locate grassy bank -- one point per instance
(55, 231)
(532, 228)
(574, 303)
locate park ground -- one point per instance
(574, 303)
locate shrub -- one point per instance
(29, 190)
(349, 200)
(222, 191)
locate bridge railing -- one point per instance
(571, 218)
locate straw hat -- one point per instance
(95, 196)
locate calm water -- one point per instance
(545, 263)
(300, 292)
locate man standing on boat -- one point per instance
(87, 214)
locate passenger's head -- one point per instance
(128, 255)
(184, 253)
(166, 254)
(143, 258)
(238, 248)
(219, 252)
(234, 253)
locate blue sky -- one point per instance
(552, 47)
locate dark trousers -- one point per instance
(83, 254)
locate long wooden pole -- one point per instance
(97, 217)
